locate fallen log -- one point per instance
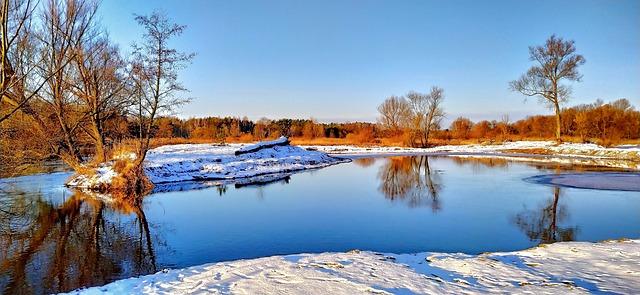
(282, 141)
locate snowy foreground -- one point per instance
(571, 267)
(627, 157)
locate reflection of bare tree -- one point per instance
(542, 224)
(411, 180)
(364, 162)
(82, 242)
(477, 163)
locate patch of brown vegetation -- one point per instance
(131, 181)
(534, 151)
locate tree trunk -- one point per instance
(558, 122)
(426, 137)
(101, 153)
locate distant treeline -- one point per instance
(604, 123)
(222, 129)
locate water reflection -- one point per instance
(81, 241)
(479, 163)
(221, 185)
(412, 181)
(364, 162)
(49, 243)
(542, 224)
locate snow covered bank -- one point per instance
(573, 267)
(627, 157)
(102, 176)
(189, 162)
(206, 161)
(195, 162)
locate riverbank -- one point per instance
(194, 162)
(569, 267)
(625, 157)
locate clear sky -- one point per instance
(337, 60)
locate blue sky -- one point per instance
(337, 60)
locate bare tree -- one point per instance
(427, 113)
(556, 61)
(155, 71)
(394, 113)
(461, 128)
(101, 86)
(15, 53)
(64, 28)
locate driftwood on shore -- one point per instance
(282, 141)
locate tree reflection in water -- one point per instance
(364, 162)
(481, 163)
(411, 180)
(83, 241)
(541, 224)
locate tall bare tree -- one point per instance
(65, 25)
(15, 54)
(156, 70)
(427, 113)
(101, 86)
(394, 113)
(556, 60)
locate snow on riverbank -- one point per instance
(572, 267)
(189, 162)
(566, 149)
(206, 161)
(627, 157)
(102, 176)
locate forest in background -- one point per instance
(603, 123)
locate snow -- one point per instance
(573, 149)
(206, 161)
(194, 162)
(627, 157)
(569, 267)
(198, 162)
(102, 176)
(259, 145)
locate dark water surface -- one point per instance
(53, 239)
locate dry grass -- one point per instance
(131, 181)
